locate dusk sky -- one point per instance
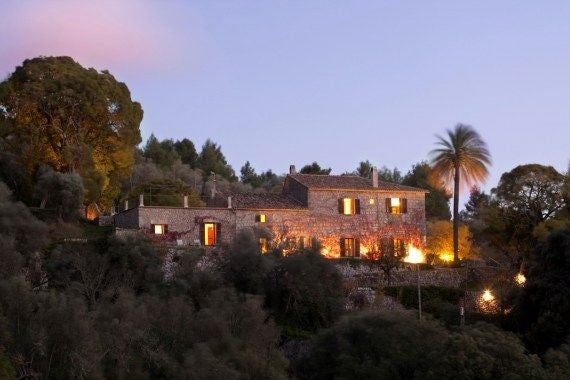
(337, 82)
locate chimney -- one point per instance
(229, 202)
(186, 201)
(374, 176)
(213, 189)
(292, 170)
(141, 200)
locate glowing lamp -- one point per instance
(415, 256)
(487, 296)
(447, 257)
(520, 279)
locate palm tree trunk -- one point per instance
(456, 217)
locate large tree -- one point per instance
(462, 158)
(57, 112)
(437, 200)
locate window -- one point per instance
(260, 218)
(305, 242)
(349, 247)
(394, 247)
(263, 245)
(159, 229)
(396, 205)
(349, 206)
(210, 234)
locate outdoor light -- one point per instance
(416, 256)
(520, 279)
(487, 296)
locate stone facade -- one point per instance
(308, 208)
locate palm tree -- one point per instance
(460, 159)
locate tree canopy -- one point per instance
(315, 168)
(58, 113)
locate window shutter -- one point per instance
(357, 206)
(342, 248)
(218, 233)
(165, 228)
(404, 204)
(340, 206)
(202, 233)
(257, 218)
(356, 247)
(388, 206)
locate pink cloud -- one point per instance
(125, 34)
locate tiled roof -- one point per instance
(264, 201)
(348, 182)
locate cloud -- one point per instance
(125, 34)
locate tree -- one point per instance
(541, 312)
(73, 119)
(315, 168)
(461, 159)
(437, 200)
(187, 152)
(166, 192)
(390, 175)
(162, 153)
(364, 169)
(525, 204)
(248, 175)
(440, 242)
(477, 201)
(61, 191)
(212, 160)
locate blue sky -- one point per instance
(291, 82)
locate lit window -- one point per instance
(396, 205)
(349, 247)
(349, 206)
(260, 218)
(394, 247)
(305, 242)
(210, 234)
(263, 245)
(159, 229)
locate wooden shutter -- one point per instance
(403, 205)
(342, 248)
(388, 206)
(202, 233)
(340, 206)
(165, 227)
(257, 218)
(356, 247)
(218, 233)
(357, 206)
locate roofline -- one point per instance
(408, 188)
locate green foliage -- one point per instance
(372, 346)
(212, 160)
(408, 295)
(437, 200)
(73, 119)
(526, 198)
(162, 153)
(542, 310)
(266, 180)
(304, 290)
(315, 168)
(61, 191)
(390, 345)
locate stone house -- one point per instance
(349, 216)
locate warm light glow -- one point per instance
(371, 201)
(487, 296)
(209, 234)
(415, 256)
(363, 249)
(520, 279)
(158, 229)
(395, 202)
(263, 245)
(261, 218)
(447, 257)
(348, 206)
